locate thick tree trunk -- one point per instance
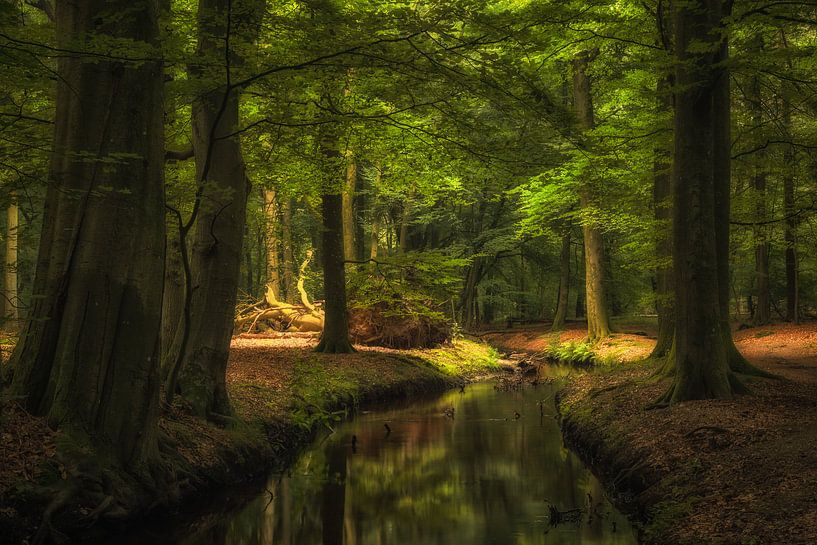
(272, 242)
(219, 230)
(88, 356)
(598, 317)
(722, 158)
(335, 337)
(11, 300)
(662, 203)
(564, 285)
(289, 257)
(701, 358)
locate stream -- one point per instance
(461, 469)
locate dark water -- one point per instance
(482, 477)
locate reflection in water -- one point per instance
(480, 478)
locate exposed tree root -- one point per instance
(335, 346)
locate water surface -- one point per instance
(481, 467)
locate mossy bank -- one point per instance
(281, 395)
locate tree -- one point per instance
(700, 211)
(215, 261)
(88, 355)
(598, 319)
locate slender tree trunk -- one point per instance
(701, 359)
(790, 234)
(348, 213)
(598, 317)
(173, 294)
(249, 270)
(10, 272)
(375, 237)
(88, 355)
(405, 221)
(219, 230)
(273, 287)
(289, 257)
(662, 203)
(564, 285)
(763, 310)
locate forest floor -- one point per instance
(282, 392)
(737, 472)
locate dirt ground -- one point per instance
(737, 472)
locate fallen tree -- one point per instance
(270, 314)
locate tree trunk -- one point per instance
(598, 319)
(722, 158)
(10, 271)
(289, 257)
(219, 230)
(174, 293)
(405, 220)
(347, 198)
(701, 360)
(335, 337)
(763, 311)
(564, 285)
(273, 286)
(88, 356)
(662, 203)
(790, 233)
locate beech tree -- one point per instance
(88, 354)
(700, 204)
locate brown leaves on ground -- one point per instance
(733, 472)
(26, 442)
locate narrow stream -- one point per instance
(477, 474)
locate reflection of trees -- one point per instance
(475, 480)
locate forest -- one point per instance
(233, 225)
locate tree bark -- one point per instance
(11, 301)
(564, 285)
(763, 308)
(598, 318)
(405, 220)
(88, 356)
(219, 230)
(289, 257)
(790, 227)
(662, 203)
(700, 351)
(335, 337)
(347, 198)
(273, 286)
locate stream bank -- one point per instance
(282, 392)
(726, 472)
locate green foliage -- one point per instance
(572, 352)
(411, 284)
